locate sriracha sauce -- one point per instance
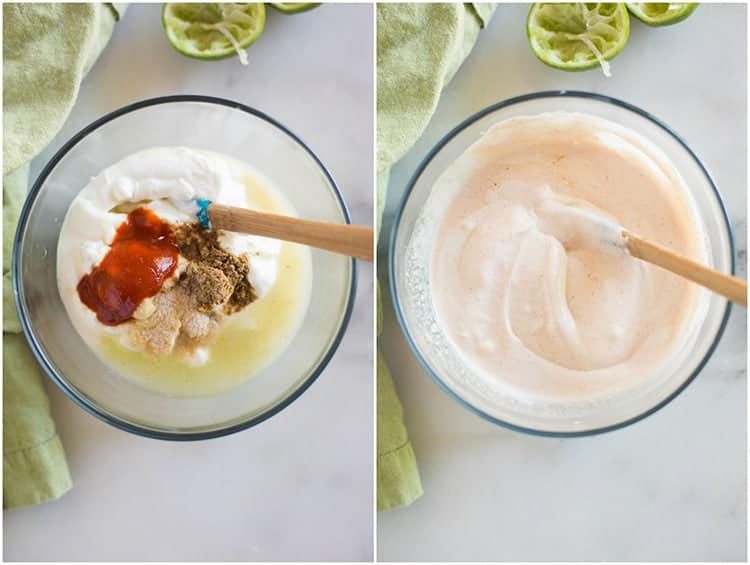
(142, 255)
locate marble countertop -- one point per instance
(672, 487)
(298, 486)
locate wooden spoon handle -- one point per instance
(731, 287)
(355, 241)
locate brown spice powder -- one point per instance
(208, 286)
(202, 247)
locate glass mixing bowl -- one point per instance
(414, 307)
(205, 123)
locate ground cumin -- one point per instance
(202, 247)
(208, 286)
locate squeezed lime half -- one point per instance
(660, 14)
(577, 36)
(294, 7)
(213, 31)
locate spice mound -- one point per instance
(171, 285)
(202, 247)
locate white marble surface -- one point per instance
(299, 486)
(672, 487)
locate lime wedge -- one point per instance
(294, 7)
(576, 37)
(660, 14)
(213, 31)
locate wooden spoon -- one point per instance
(355, 241)
(733, 288)
(589, 225)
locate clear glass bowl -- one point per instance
(205, 123)
(427, 339)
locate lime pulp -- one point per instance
(661, 14)
(213, 31)
(577, 36)
(294, 7)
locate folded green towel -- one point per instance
(420, 48)
(47, 50)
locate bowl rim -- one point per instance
(447, 138)
(83, 401)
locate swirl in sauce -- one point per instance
(529, 296)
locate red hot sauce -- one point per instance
(142, 255)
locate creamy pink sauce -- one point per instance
(539, 301)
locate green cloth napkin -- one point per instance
(420, 48)
(47, 50)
